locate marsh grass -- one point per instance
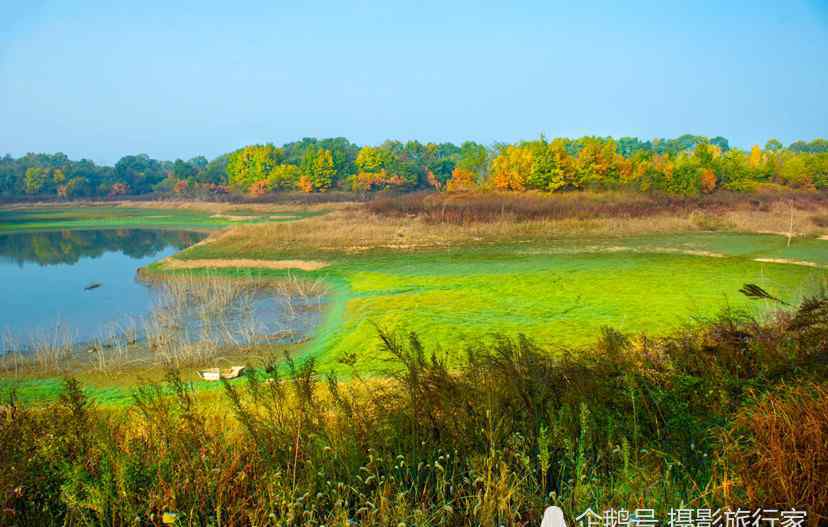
(51, 350)
(630, 422)
(195, 318)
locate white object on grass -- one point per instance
(553, 517)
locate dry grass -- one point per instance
(780, 453)
(355, 228)
(233, 263)
(222, 208)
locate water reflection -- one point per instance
(69, 247)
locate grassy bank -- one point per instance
(55, 217)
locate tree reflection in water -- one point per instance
(69, 246)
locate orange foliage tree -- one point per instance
(259, 188)
(181, 186)
(305, 184)
(366, 181)
(461, 181)
(708, 181)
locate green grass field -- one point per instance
(107, 217)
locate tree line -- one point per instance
(687, 165)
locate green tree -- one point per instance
(215, 171)
(183, 170)
(474, 158)
(139, 172)
(773, 145)
(284, 177)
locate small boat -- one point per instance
(93, 285)
(214, 374)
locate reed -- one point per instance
(51, 351)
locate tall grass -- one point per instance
(496, 206)
(197, 316)
(661, 423)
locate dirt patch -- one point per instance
(285, 217)
(779, 233)
(233, 217)
(222, 263)
(786, 261)
(824, 237)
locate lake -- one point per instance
(45, 280)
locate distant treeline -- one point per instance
(687, 165)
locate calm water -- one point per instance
(43, 276)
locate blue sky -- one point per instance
(100, 79)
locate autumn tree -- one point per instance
(323, 170)
(373, 164)
(259, 188)
(462, 180)
(252, 163)
(371, 159)
(511, 168)
(755, 159)
(708, 180)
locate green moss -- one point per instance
(556, 299)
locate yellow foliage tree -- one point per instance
(755, 159)
(511, 168)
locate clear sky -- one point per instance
(100, 79)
